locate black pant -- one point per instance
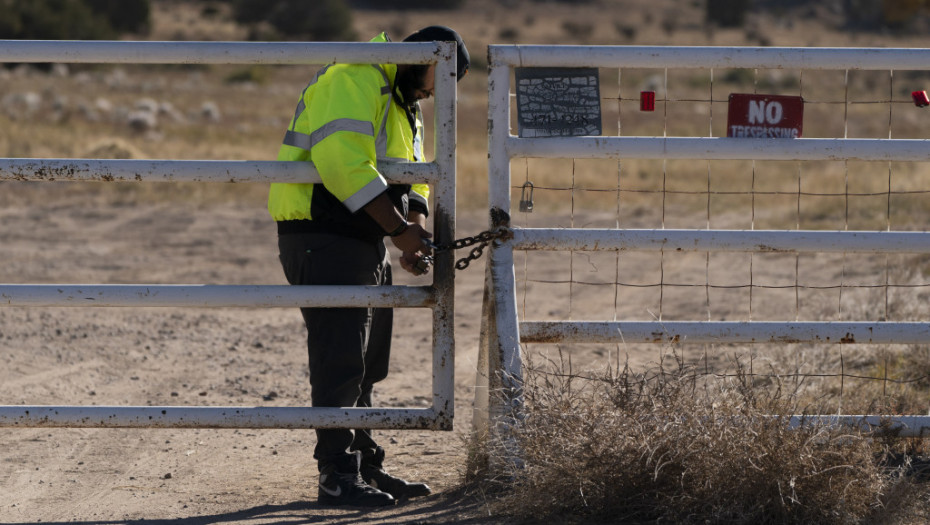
(349, 348)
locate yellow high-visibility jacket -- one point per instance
(347, 123)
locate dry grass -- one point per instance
(667, 446)
(703, 437)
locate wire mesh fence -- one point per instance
(674, 285)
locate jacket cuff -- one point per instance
(418, 203)
(366, 194)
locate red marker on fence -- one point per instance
(920, 98)
(647, 100)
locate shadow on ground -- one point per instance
(452, 507)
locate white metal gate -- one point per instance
(500, 362)
(439, 296)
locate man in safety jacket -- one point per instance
(350, 119)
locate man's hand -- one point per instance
(412, 240)
(408, 261)
(415, 246)
(386, 215)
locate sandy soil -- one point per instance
(257, 357)
(161, 356)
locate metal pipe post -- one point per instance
(444, 231)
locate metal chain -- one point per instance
(481, 240)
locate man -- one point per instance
(350, 118)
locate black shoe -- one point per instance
(396, 487)
(347, 488)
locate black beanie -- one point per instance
(444, 34)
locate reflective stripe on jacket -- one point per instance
(346, 124)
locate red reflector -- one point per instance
(920, 98)
(647, 100)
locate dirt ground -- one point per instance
(162, 356)
(257, 357)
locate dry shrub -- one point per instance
(113, 148)
(669, 446)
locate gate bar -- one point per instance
(193, 171)
(900, 426)
(263, 296)
(720, 148)
(218, 417)
(652, 57)
(295, 53)
(785, 241)
(734, 332)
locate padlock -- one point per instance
(526, 201)
(423, 264)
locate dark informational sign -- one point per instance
(558, 102)
(765, 116)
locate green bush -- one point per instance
(52, 20)
(899, 13)
(72, 19)
(407, 4)
(727, 13)
(252, 11)
(577, 31)
(125, 16)
(326, 20)
(875, 14)
(253, 74)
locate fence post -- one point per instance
(499, 388)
